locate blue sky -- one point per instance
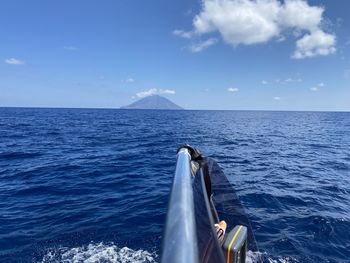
(203, 54)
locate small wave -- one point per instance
(95, 253)
(18, 155)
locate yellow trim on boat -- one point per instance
(230, 245)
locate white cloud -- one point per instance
(318, 86)
(14, 61)
(154, 91)
(290, 80)
(166, 91)
(299, 15)
(183, 34)
(146, 93)
(238, 21)
(317, 43)
(232, 89)
(247, 22)
(276, 98)
(282, 81)
(129, 80)
(199, 46)
(70, 48)
(287, 81)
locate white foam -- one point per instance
(282, 260)
(252, 257)
(95, 253)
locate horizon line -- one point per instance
(120, 108)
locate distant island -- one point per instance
(153, 102)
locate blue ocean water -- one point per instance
(92, 185)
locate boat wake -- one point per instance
(99, 253)
(111, 253)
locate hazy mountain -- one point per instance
(153, 102)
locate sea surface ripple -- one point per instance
(85, 185)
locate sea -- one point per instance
(92, 185)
